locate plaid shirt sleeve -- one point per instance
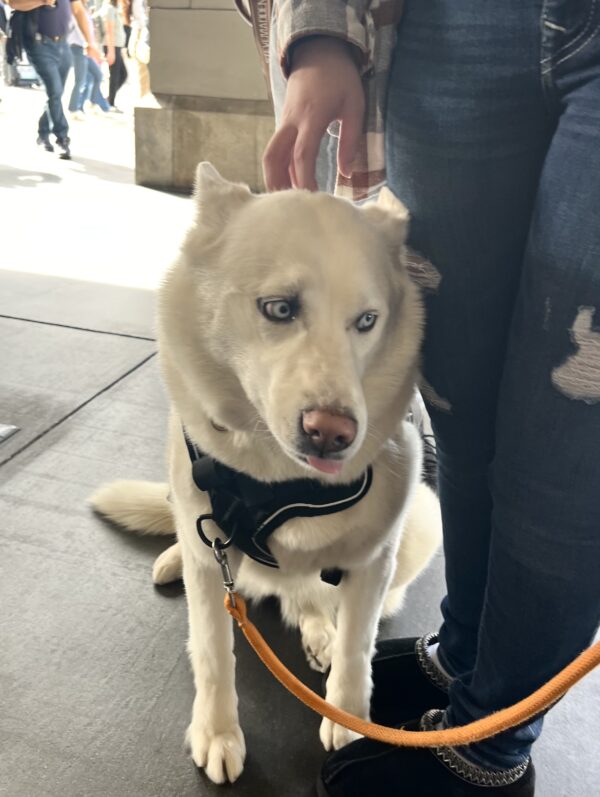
(369, 25)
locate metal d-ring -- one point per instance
(206, 540)
(221, 557)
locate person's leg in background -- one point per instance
(93, 91)
(469, 128)
(80, 66)
(64, 67)
(113, 70)
(118, 76)
(52, 61)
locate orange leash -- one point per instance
(500, 721)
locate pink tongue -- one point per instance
(325, 465)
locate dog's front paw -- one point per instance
(168, 567)
(318, 634)
(220, 755)
(334, 736)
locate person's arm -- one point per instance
(340, 19)
(323, 48)
(109, 27)
(83, 23)
(324, 85)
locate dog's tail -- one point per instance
(421, 537)
(142, 507)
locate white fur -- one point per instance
(224, 364)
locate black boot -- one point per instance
(364, 768)
(405, 681)
(63, 145)
(44, 142)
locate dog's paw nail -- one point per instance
(326, 734)
(220, 755)
(342, 736)
(333, 736)
(317, 640)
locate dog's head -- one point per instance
(303, 304)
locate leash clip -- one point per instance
(221, 557)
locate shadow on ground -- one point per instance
(11, 177)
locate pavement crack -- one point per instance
(73, 326)
(76, 409)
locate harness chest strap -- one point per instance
(248, 511)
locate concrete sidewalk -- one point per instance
(85, 218)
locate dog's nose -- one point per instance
(327, 431)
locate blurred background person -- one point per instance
(77, 44)
(138, 47)
(45, 24)
(3, 25)
(114, 42)
(93, 98)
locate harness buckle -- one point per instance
(221, 557)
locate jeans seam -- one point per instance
(581, 46)
(579, 35)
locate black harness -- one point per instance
(248, 511)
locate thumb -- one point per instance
(350, 136)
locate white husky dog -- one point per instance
(289, 335)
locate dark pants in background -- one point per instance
(118, 74)
(52, 61)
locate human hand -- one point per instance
(110, 56)
(324, 86)
(93, 53)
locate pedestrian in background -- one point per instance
(93, 89)
(3, 26)
(45, 41)
(114, 43)
(76, 41)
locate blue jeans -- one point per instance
(52, 61)
(93, 85)
(493, 142)
(80, 66)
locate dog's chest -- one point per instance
(346, 540)
(343, 539)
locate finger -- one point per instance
(277, 158)
(292, 173)
(350, 135)
(306, 150)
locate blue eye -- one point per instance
(278, 310)
(366, 321)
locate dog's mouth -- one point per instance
(329, 466)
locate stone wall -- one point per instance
(209, 99)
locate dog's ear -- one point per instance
(216, 198)
(390, 216)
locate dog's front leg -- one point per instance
(349, 684)
(214, 735)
